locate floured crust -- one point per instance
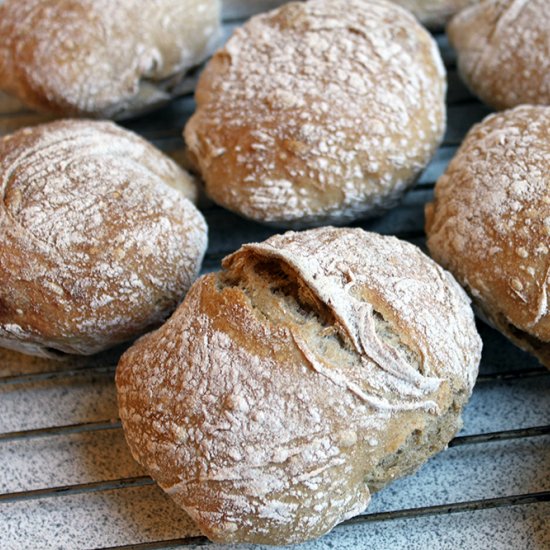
(316, 367)
(435, 13)
(102, 58)
(490, 223)
(503, 51)
(97, 244)
(317, 112)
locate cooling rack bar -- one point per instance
(56, 374)
(451, 508)
(62, 430)
(124, 483)
(439, 509)
(110, 370)
(173, 543)
(505, 435)
(76, 489)
(513, 374)
(115, 424)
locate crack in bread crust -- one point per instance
(285, 297)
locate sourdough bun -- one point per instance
(317, 112)
(434, 13)
(99, 244)
(490, 223)
(102, 58)
(314, 369)
(503, 49)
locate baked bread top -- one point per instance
(102, 58)
(99, 243)
(490, 222)
(503, 51)
(321, 111)
(316, 367)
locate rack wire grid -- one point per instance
(67, 479)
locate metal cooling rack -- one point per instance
(68, 481)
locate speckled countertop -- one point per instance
(108, 501)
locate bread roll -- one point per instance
(102, 58)
(317, 112)
(435, 13)
(503, 49)
(99, 243)
(490, 223)
(311, 371)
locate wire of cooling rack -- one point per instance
(439, 509)
(123, 483)
(109, 370)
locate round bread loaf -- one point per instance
(317, 112)
(97, 244)
(434, 13)
(503, 49)
(490, 223)
(102, 58)
(311, 371)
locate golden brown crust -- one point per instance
(318, 112)
(97, 247)
(282, 384)
(503, 49)
(490, 223)
(101, 58)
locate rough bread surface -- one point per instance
(503, 49)
(316, 367)
(490, 223)
(99, 243)
(323, 111)
(102, 58)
